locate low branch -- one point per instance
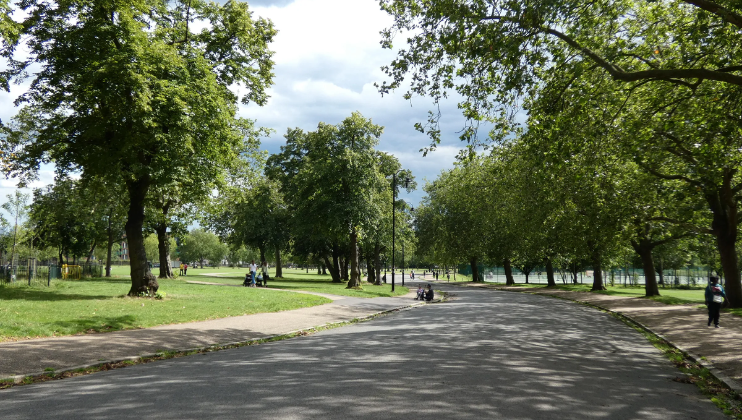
(725, 14)
(670, 177)
(690, 226)
(669, 75)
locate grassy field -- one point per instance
(295, 279)
(98, 305)
(72, 307)
(667, 296)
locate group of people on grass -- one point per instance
(251, 280)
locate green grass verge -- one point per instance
(50, 374)
(98, 305)
(693, 373)
(667, 296)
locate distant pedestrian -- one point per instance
(181, 269)
(185, 269)
(714, 298)
(253, 269)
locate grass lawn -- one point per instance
(295, 279)
(71, 307)
(667, 296)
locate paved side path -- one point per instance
(683, 325)
(33, 356)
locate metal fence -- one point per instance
(41, 273)
(628, 276)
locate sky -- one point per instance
(328, 57)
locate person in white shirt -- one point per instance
(253, 269)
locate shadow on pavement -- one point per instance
(485, 355)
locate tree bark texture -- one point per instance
(335, 270)
(644, 249)
(724, 227)
(597, 271)
(377, 264)
(355, 273)
(163, 246)
(550, 273)
(508, 272)
(474, 269)
(142, 280)
(109, 245)
(279, 268)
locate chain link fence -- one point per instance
(32, 272)
(627, 276)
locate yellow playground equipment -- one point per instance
(71, 272)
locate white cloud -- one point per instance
(327, 58)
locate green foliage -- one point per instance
(127, 92)
(200, 245)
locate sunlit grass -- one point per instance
(71, 307)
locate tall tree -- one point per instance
(17, 207)
(158, 102)
(329, 178)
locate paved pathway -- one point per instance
(33, 356)
(683, 325)
(486, 354)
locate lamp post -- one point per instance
(394, 223)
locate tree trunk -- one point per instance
(550, 273)
(355, 268)
(724, 227)
(334, 273)
(644, 249)
(474, 269)
(142, 280)
(109, 245)
(262, 254)
(508, 272)
(90, 253)
(324, 269)
(163, 247)
(597, 271)
(377, 263)
(370, 270)
(279, 268)
(344, 268)
(335, 270)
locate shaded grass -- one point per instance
(97, 305)
(296, 280)
(667, 296)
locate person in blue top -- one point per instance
(714, 298)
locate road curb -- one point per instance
(19, 379)
(730, 383)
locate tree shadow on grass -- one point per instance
(8, 293)
(98, 324)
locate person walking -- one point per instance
(185, 269)
(253, 269)
(181, 269)
(715, 296)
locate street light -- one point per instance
(394, 224)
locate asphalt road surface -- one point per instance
(484, 355)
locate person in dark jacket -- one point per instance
(429, 293)
(714, 298)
